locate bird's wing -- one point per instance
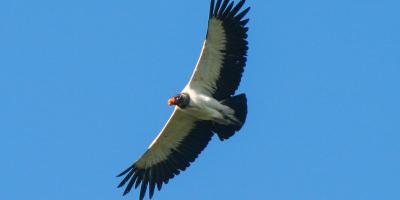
(224, 53)
(177, 145)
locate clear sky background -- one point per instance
(84, 88)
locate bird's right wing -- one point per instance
(178, 144)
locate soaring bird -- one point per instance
(206, 106)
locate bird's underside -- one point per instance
(206, 106)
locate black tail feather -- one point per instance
(239, 104)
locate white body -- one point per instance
(204, 107)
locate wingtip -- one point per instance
(120, 185)
(125, 193)
(145, 182)
(125, 171)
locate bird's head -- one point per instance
(181, 100)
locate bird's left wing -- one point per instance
(223, 57)
(177, 145)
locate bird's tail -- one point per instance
(238, 104)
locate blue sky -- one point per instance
(84, 86)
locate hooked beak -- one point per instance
(171, 101)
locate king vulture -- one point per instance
(206, 106)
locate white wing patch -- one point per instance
(174, 131)
(210, 62)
